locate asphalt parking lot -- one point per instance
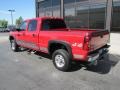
(21, 71)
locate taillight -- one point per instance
(87, 42)
(87, 37)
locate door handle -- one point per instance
(18, 34)
(33, 35)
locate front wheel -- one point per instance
(61, 60)
(14, 45)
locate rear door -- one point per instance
(32, 34)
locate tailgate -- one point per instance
(98, 39)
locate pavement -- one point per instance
(21, 71)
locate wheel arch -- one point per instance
(53, 43)
(11, 38)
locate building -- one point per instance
(91, 14)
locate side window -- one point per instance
(23, 26)
(51, 24)
(46, 25)
(32, 25)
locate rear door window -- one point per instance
(50, 24)
(32, 25)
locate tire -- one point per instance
(61, 60)
(14, 46)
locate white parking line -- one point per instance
(3, 38)
(16, 60)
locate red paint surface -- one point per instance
(70, 36)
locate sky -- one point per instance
(24, 8)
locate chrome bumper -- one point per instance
(98, 55)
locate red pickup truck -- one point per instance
(51, 36)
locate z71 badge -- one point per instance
(80, 45)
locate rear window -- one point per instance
(53, 24)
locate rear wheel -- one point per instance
(14, 45)
(61, 60)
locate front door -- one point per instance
(20, 38)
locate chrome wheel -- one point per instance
(60, 61)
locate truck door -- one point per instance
(20, 38)
(32, 35)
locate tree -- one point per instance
(19, 21)
(3, 23)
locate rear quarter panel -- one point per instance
(74, 39)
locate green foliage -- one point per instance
(19, 21)
(3, 23)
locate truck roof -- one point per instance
(39, 18)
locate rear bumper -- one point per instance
(98, 54)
